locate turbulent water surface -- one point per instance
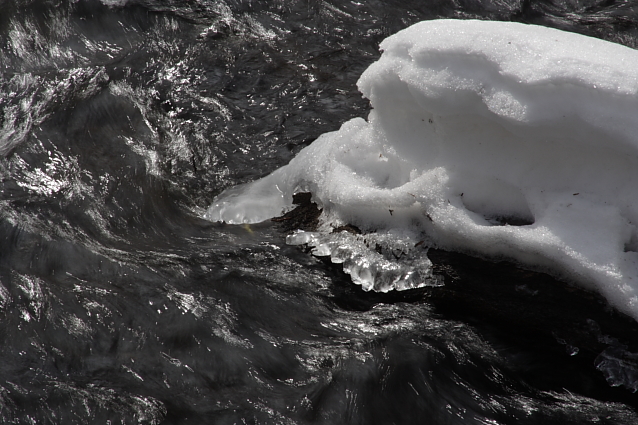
(121, 121)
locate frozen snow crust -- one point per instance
(499, 139)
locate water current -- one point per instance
(120, 121)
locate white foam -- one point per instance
(475, 124)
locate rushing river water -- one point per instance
(119, 123)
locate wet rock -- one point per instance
(305, 216)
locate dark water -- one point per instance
(120, 121)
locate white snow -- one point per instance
(478, 126)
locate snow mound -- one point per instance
(497, 139)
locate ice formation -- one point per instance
(498, 139)
(376, 261)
